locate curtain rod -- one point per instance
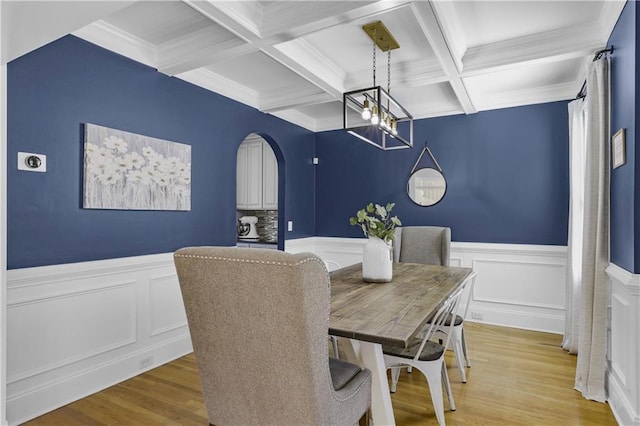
(582, 93)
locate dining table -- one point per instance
(392, 313)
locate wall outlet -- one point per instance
(315, 160)
(476, 316)
(146, 362)
(31, 162)
(290, 226)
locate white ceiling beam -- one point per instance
(546, 47)
(216, 83)
(296, 19)
(429, 24)
(535, 95)
(243, 20)
(447, 16)
(280, 100)
(186, 52)
(306, 61)
(414, 73)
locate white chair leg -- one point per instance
(458, 351)
(433, 373)
(447, 387)
(395, 375)
(464, 349)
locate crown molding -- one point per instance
(298, 118)
(209, 80)
(611, 11)
(113, 38)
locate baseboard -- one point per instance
(620, 405)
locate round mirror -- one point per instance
(426, 186)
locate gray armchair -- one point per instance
(428, 245)
(259, 322)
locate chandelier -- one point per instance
(372, 114)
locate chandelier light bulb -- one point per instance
(366, 112)
(375, 119)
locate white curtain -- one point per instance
(586, 315)
(577, 123)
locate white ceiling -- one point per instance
(294, 59)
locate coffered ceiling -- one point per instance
(294, 59)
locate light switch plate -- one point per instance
(290, 226)
(31, 162)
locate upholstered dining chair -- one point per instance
(432, 245)
(259, 322)
(427, 357)
(429, 245)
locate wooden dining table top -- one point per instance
(389, 313)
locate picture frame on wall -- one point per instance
(618, 149)
(128, 171)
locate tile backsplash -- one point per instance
(267, 223)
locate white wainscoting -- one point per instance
(78, 328)
(624, 345)
(519, 286)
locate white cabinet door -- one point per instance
(241, 177)
(257, 176)
(254, 175)
(269, 178)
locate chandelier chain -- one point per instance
(389, 71)
(374, 64)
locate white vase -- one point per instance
(377, 261)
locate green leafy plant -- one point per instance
(376, 220)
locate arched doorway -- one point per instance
(259, 193)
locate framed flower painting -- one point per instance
(127, 171)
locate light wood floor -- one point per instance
(517, 378)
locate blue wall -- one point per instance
(506, 170)
(55, 89)
(625, 232)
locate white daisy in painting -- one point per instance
(149, 152)
(160, 178)
(123, 164)
(110, 176)
(116, 144)
(136, 160)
